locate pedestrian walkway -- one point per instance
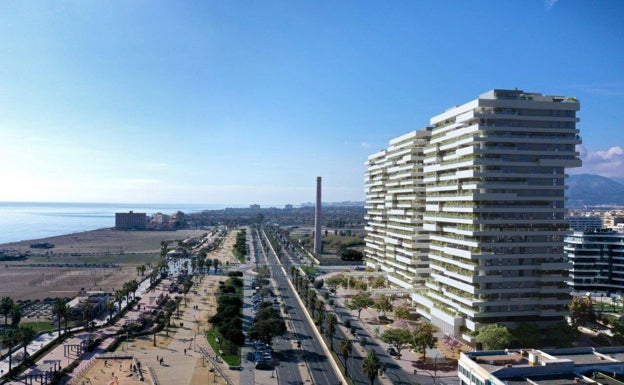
(410, 361)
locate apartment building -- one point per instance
(597, 258)
(493, 172)
(395, 241)
(130, 221)
(584, 222)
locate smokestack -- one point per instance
(318, 246)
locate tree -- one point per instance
(330, 327)
(16, 315)
(351, 255)
(66, 314)
(265, 329)
(87, 310)
(334, 281)
(399, 338)
(582, 310)
(58, 310)
(27, 333)
(215, 264)
(494, 337)
(371, 366)
(383, 304)
(528, 335)
(359, 302)
(11, 337)
(311, 300)
(6, 305)
(561, 335)
(378, 282)
(617, 326)
(201, 262)
(110, 307)
(423, 338)
(345, 349)
(119, 296)
(401, 312)
(133, 286)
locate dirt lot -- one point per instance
(60, 273)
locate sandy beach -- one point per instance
(77, 261)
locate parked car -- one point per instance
(392, 351)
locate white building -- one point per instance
(494, 171)
(395, 241)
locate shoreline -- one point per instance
(77, 261)
(102, 241)
(47, 238)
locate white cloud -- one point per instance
(365, 145)
(608, 163)
(549, 4)
(601, 89)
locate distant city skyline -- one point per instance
(237, 103)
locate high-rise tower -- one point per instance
(318, 245)
(494, 177)
(395, 196)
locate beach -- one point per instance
(94, 260)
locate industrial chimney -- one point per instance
(318, 246)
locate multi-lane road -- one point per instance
(320, 367)
(312, 352)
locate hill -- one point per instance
(593, 190)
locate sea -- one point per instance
(34, 220)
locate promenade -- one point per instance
(180, 355)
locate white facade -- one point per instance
(395, 241)
(494, 210)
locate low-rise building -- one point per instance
(597, 366)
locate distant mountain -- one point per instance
(593, 190)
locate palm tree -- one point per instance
(87, 309)
(16, 314)
(153, 276)
(66, 314)
(111, 309)
(119, 296)
(6, 305)
(11, 336)
(345, 349)
(311, 301)
(27, 333)
(330, 324)
(371, 366)
(58, 309)
(133, 286)
(126, 290)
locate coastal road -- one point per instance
(287, 371)
(319, 366)
(394, 373)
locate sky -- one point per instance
(241, 102)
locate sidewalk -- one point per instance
(445, 368)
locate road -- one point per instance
(320, 368)
(393, 372)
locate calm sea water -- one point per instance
(27, 220)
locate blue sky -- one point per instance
(239, 102)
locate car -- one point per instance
(392, 351)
